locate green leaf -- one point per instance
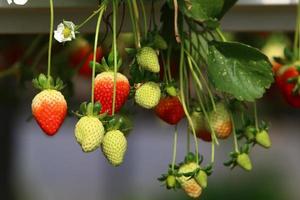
(239, 70)
(201, 10)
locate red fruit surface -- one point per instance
(83, 56)
(287, 88)
(204, 135)
(104, 84)
(49, 108)
(170, 110)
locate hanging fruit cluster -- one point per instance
(182, 70)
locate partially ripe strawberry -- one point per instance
(148, 95)
(89, 133)
(147, 59)
(104, 84)
(189, 184)
(49, 108)
(170, 110)
(220, 121)
(114, 147)
(200, 126)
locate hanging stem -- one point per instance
(182, 97)
(174, 148)
(219, 32)
(144, 17)
(135, 34)
(115, 10)
(177, 35)
(214, 137)
(136, 20)
(236, 145)
(255, 116)
(50, 40)
(297, 35)
(103, 7)
(88, 19)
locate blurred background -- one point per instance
(36, 167)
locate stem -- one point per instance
(204, 80)
(115, 10)
(174, 148)
(144, 17)
(88, 19)
(219, 32)
(136, 20)
(212, 152)
(296, 37)
(177, 36)
(50, 39)
(255, 116)
(214, 137)
(169, 75)
(103, 7)
(134, 24)
(236, 145)
(182, 97)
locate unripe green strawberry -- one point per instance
(250, 132)
(49, 108)
(159, 42)
(148, 59)
(188, 184)
(171, 182)
(244, 161)
(148, 95)
(114, 147)
(201, 179)
(220, 121)
(263, 139)
(89, 133)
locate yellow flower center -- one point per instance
(67, 32)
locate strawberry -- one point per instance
(170, 110)
(201, 179)
(148, 95)
(148, 59)
(49, 107)
(244, 161)
(171, 182)
(220, 121)
(114, 147)
(189, 184)
(89, 133)
(82, 54)
(201, 129)
(104, 84)
(263, 139)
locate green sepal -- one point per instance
(42, 82)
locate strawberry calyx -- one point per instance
(90, 109)
(118, 122)
(107, 64)
(169, 179)
(43, 82)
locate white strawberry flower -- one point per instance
(18, 2)
(65, 31)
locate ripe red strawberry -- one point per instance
(220, 121)
(104, 83)
(82, 55)
(287, 88)
(170, 110)
(49, 108)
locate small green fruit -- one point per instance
(201, 179)
(148, 59)
(148, 95)
(249, 132)
(244, 161)
(263, 139)
(171, 182)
